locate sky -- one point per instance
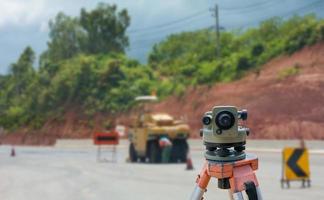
(25, 22)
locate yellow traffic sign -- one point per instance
(295, 165)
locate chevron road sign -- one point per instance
(295, 165)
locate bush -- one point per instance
(288, 72)
(243, 63)
(257, 50)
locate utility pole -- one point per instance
(215, 14)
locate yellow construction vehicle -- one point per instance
(149, 127)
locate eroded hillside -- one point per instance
(285, 99)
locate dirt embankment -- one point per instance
(72, 125)
(285, 100)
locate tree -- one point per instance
(105, 28)
(66, 38)
(102, 30)
(24, 64)
(22, 71)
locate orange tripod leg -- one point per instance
(202, 182)
(244, 179)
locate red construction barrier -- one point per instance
(106, 138)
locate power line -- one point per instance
(169, 23)
(248, 10)
(148, 40)
(166, 29)
(154, 40)
(291, 12)
(255, 5)
(310, 6)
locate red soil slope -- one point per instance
(290, 107)
(74, 125)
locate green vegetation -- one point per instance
(288, 72)
(190, 58)
(89, 82)
(85, 67)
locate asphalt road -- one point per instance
(72, 173)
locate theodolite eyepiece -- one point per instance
(206, 120)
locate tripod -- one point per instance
(237, 176)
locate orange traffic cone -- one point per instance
(189, 163)
(13, 152)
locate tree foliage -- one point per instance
(66, 38)
(105, 28)
(99, 31)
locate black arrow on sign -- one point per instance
(292, 162)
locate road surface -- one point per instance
(70, 172)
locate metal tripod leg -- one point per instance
(259, 193)
(197, 194)
(202, 182)
(237, 196)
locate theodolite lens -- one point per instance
(206, 120)
(225, 120)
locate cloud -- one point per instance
(20, 12)
(44, 27)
